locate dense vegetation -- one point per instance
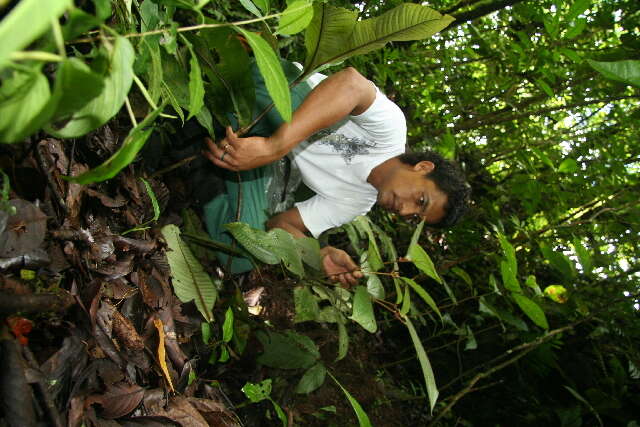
(525, 313)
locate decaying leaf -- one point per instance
(118, 400)
(162, 354)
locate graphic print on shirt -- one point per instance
(347, 147)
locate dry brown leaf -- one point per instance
(126, 332)
(162, 356)
(119, 400)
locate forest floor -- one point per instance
(89, 309)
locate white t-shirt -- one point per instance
(335, 162)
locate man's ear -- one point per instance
(424, 166)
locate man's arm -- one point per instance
(336, 263)
(343, 93)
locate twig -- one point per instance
(524, 349)
(174, 166)
(179, 30)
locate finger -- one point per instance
(220, 163)
(232, 137)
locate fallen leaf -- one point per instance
(162, 357)
(118, 400)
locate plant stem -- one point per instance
(57, 35)
(35, 55)
(181, 29)
(130, 111)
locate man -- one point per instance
(348, 140)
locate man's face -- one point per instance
(407, 193)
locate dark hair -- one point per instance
(449, 178)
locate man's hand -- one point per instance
(339, 266)
(239, 154)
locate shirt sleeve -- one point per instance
(320, 214)
(383, 120)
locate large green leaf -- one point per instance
(427, 372)
(25, 23)
(419, 257)
(363, 418)
(312, 379)
(306, 305)
(190, 281)
(335, 34)
(423, 294)
(196, 86)
(100, 109)
(288, 350)
(271, 70)
(232, 87)
(23, 97)
(77, 85)
(132, 144)
(627, 71)
(296, 17)
(253, 241)
(532, 310)
(269, 247)
(363, 310)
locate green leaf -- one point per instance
(154, 200)
(205, 328)
(264, 5)
(196, 86)
(509, 253)
(568, 166)
(271, 70)
(230, 76)
(281, 415)
(509, 278)
(583, 256)
(627, 71)
(287, 350)
(576, 29)
(296, 17)
(27, 21)
(335, 34)
(269, 247)
(227, 326)
(132, 144)
(419, 257)
(545, 87)
(306, 305)
(363, 310)
(309, 250)
(190, 281)
(578, 7)
(463, 275)
(374, 286)
(224, 354)
(343, 339)
(312, 379)
(427, 372)
(100, 109)
(252, 240)
(532, 310)
(406, 301)
(248, 4)
(558, 260)
(257, 392)
(423, 294)
(75, 86)
(23, 98)
(571, 54)
(363, 418)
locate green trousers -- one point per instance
(254, 206)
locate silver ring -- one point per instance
(222, 157)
